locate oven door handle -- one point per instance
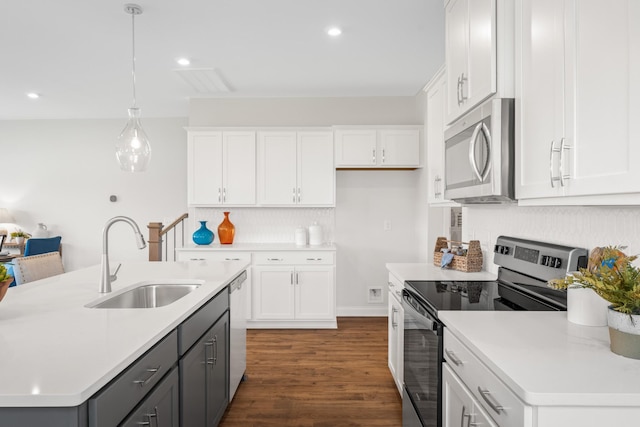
(420, 318)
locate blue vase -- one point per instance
(203, 236)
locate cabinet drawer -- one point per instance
(395, 287)
(213, 256)
(192, 329)
(161, 407)
(294, 258)
(111, 404)
(494, 396)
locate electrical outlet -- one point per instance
(386, 225)
(374, 295)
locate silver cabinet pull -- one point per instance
(563, 147)
(383, 158)
(314, 259)
(274, 259)
(462, 80)
(394, 323)
(232, 259)
(153, 372)
(458, 88)
(491, 401)
(151, 416)
(388, 283)
(197, 259)
(224, 195)
(454, 358)
(551, 151)
(297, 279)
(373, 157)
(294, 195)
(219, 195)
(292, 277)
(436, 186)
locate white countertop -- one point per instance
(424, 271)
(57, 352)
(254, 247)
(546, 360)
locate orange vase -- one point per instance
(226, 230)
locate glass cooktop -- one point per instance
(457, 295)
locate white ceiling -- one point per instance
(77, 53)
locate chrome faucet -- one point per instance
(105, 273)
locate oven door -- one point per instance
(422, 364)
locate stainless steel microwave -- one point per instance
(479, 155)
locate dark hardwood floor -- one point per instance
(318, 378)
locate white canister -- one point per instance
(40, 231)
(301, 236)
(315, 234)
(585, 307)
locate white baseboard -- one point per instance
(292, 324)
(360, 311)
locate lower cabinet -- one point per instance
(396, 332)
(204, 377)
(460, 408)
(161, 407)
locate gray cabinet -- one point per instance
(204, 377)
(161, 407)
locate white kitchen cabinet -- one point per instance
(434, 124)
(388, 147)
(221, 168)
(396, 332)
(296, 168)
(294, 288)
(578, 81)
(459, 406)
(479, 53)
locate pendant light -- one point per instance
(133, 150)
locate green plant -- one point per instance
(4, 275)
(20, 233)
(612, 275)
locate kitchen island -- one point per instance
(561, 373)
(58, 353)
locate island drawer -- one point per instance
(213, 256)
(494, 396)
(294, 258)
(192, 329)
(110, 405)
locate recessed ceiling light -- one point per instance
(33, 95)
(183, 61)
(334, 31)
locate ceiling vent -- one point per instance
(204, 80)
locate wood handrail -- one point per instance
(156, 232)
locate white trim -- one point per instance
(358, 311)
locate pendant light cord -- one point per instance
(133, 56)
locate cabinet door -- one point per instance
(217, 375)
(356, 148)
(193, 384)
(399, 148)
(315, 292)
(436, 99)
(316, 170)
(481, 59)
(456, 48)
(273, 293)
(204, 158)
(239, 165)
(161, 407)
(396, 341)
(604, 47)
(540, 117)
(459, 407)
(277, 168)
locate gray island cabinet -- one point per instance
(181, 380)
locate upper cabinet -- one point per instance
(479, 53)
(578, 86)
(296, 168)
(434, 130)
(221, 168)
(370, 148)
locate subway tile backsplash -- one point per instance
(579, 226)
(264, 225)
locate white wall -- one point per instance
(364, 199)
(62, 172)
(578, 226)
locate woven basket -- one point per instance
(471, 262)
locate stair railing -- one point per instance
(159, 235)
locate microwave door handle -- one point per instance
(472, 149)
(487, 142)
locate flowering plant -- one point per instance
(20, 233)
(611, 274)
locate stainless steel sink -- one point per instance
(149, 295)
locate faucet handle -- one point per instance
(114, 276)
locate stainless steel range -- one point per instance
(525, 266)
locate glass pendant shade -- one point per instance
(133, 150)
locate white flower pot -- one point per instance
(624, 333)
(585, 307)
